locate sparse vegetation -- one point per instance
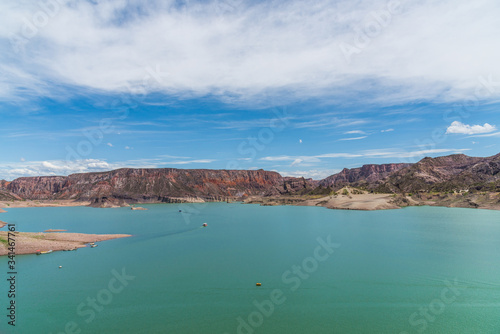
(345, 192)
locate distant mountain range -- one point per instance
(458, 173)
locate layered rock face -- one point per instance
(164, 185)
(6, 195)
(363, 176)
(450, 173)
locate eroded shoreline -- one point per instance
(32, 242)
(355, 200)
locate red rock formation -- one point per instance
(165, 185)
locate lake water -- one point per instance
(414, 270)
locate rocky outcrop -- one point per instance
(5, 194)
(365, 176)
(456, 172)
(298, 185)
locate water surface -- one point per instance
(390, 274)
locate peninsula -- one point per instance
(31, 243)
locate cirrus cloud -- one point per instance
(240, 50)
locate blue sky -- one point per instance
(302, 88)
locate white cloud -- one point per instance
(109, 144)
(315, 174)
(387, 130)
(278, 158)
(460, 128)
(355, 138)
(186, 162)
(339, 155)
(250, 49)
(11, 171)
(379, 153)
(355, 132)
(495, 134)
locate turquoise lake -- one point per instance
(414, 270)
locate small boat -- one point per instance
(93, 245)
(45, 252)
(204, 225)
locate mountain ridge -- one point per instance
(452, 173)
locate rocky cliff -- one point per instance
(6, 195)
(456, 172)
(365, 176)
(152, 185)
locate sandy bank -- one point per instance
(354, 202)
(29, 243)
(365, 201)
(40, 203)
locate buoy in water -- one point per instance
(258, 284)
(60, 267)
(204, 225)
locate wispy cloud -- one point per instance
(359, 132)
(14, 170)
(186, 162)
(315, 174)
(354, 138)
(234, 54)
(495, 134)
(10, 171)
(380, 153)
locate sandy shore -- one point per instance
(354, 202)
(41, 203)
(29, 243)
(362, 201)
